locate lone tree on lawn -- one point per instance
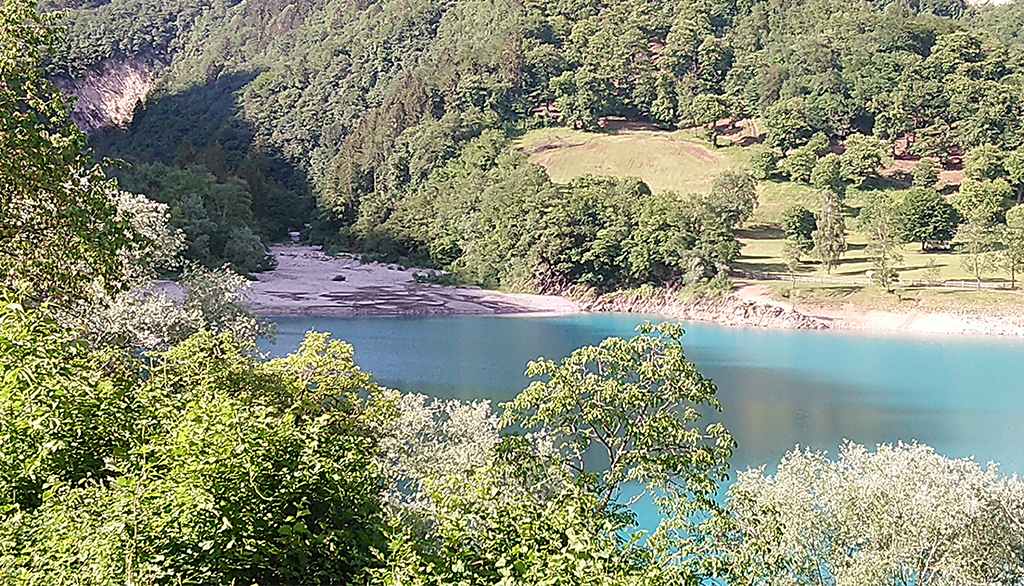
(1012, 254)
(878, 220)
(830, 237)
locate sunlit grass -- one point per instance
(675, 161)
(681, 162)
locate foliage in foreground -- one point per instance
(206, 465)
(900, 515)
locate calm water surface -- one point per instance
(963, 396)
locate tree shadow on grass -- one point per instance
(760, 232)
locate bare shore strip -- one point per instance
(308, 282)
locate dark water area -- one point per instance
(964, 396)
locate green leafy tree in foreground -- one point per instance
(635, 402)
(538, 508)
(60, 228)
(207, 467)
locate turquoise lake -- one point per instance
(778, 389)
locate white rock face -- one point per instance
(107, 96)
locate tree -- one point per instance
(899, 515)
(878, 219)
(925, 216)
(734, 197)
(926, 173)
(164, 470)
(977, 242)
(636, 403)
(828, 174)
(799, 225)
(799, 164)
(983, 162)
(707, 110)
(1013, 163)
(788, 125)
(1013, 243)
(980, 201)
(830, 236)
(863, 157)
(792, 250)
(61, 231)
(763, 162)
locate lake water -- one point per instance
(778, 389)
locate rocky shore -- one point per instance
(728, 310)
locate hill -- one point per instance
(351, 116)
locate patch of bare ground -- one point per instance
(309, 282)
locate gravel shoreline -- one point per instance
(308, 282)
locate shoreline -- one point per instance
(308, 282)
(304, 284)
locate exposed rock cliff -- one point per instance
(107, 95)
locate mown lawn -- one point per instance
(675, 161)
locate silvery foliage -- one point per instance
(432, 442)
(157, 315)
(902, 515)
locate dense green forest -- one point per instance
(143, 441)
(386, 124)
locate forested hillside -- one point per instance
(143, 442)
(394, 117)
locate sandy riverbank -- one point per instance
(303, 284)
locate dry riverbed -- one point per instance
(304, 284)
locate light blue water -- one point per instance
(963, 396)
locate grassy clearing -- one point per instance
(761, 250)
(997, 303)
(675, 161)
(679, 161)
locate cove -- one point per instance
(778, 389)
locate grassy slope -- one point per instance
(679, 161)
